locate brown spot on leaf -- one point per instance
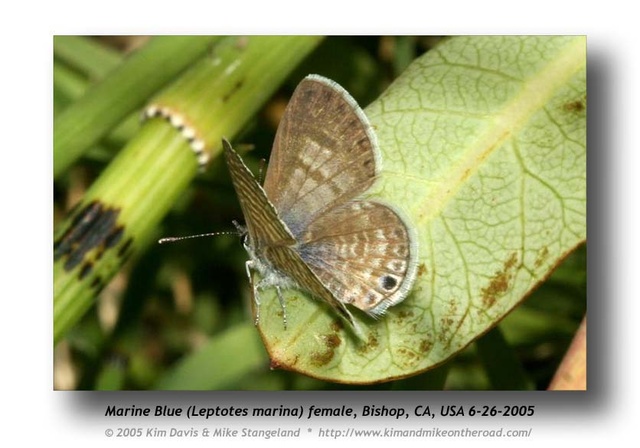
(446, 324)
(371, 344)
(500, 282)
(322, 358)
(425, 345)
(403, 315)
(575, 106)
(422, 269)
(372, 341)
(408, 357)
(543, 254)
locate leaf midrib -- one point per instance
(536, 92)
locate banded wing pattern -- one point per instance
(308, 226)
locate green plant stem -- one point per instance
(145, 179)
(86, 55)
(127, 88)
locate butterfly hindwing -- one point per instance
(362, 251)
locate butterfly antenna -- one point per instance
(172, 239)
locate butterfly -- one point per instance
(308, 227)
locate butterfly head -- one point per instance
(243, 233)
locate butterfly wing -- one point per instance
(270, 240)
(305, 223)
(364, 252)
(263, 224)
(325, 153)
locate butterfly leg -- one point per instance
(254, 290)
(282, 305)
(256, 287)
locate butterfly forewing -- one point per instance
(271, 243)
(263, 225)
(324, 153)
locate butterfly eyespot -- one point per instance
(388, 282)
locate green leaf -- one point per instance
(500, 362)
(216, 365)
(484, 147)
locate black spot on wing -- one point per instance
(389, 282)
